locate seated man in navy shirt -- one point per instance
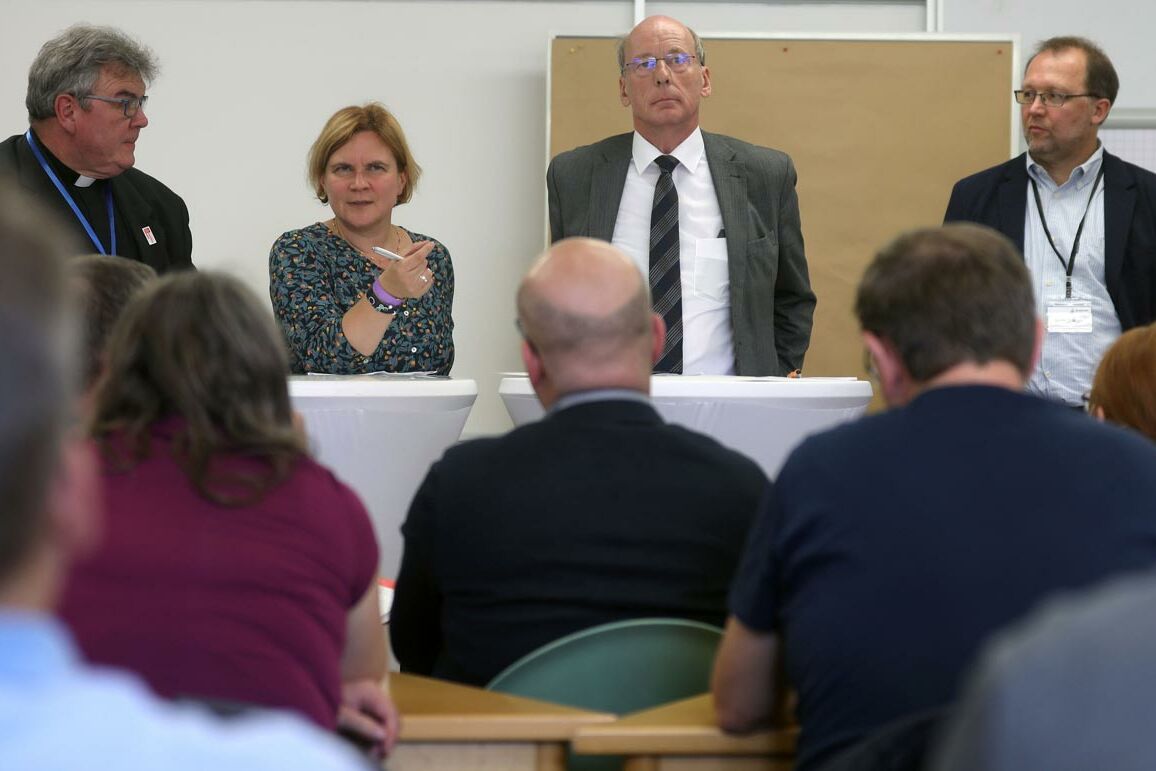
(889, 548)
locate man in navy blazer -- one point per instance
(747, 303)
(599, 512)
(1068, 202)
(86, 109)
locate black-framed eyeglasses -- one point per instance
(1049, 98)
(644, 65)
(130, 104)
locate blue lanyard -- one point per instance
(75, 209)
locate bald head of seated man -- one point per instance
(599, 512)
(584, 313)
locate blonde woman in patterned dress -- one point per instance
(344, 309)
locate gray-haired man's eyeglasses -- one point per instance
(130, 104)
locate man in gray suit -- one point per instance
(724, 248)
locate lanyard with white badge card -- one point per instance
(1068, 315)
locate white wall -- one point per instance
(1123, 28)
(245, 87)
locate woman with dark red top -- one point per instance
(233, 568)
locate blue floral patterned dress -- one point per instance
(316, 276)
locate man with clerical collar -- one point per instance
(712, 220)
(1084, 219)
(86, 108)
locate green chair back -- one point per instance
(619, 667)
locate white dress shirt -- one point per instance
(1068, 361)
(707, 340)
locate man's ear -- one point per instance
(623, 95)
(894, 380)
(1100, 111)
(66, 106)
(658, 335)
(705, 82)
(532, 362)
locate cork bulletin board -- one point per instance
(879, 130)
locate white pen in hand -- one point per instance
(387, 254)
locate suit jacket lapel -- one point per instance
(1013, 191)
(1119, 202)
(606, 183)
(730, 185)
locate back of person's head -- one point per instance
(1124, 388)
(202, 348)
(584, 311)
(950, 295)
(71, 63)
(38, 386)
(106, 283)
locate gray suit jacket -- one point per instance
(770, 291)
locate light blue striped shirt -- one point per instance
(1068, 361)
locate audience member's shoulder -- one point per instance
(1116, 616)
(113, 721)
(853, 437)
(468, 452)
(310, 478)
(1102, 436)
(1108, 629)
(1079, 665)
(727, 458)
(277, 742)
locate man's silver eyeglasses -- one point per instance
(1049, 98)
(131, 104)
(644, 65)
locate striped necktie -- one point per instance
(665, 274)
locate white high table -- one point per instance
(379, 434)
(763, 418)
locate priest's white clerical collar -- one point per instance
(83, 181)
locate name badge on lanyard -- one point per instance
(72, 204)
(1069, 317)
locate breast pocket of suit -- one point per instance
(761, 263)
(712, 280)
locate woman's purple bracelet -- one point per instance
(385, 296)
